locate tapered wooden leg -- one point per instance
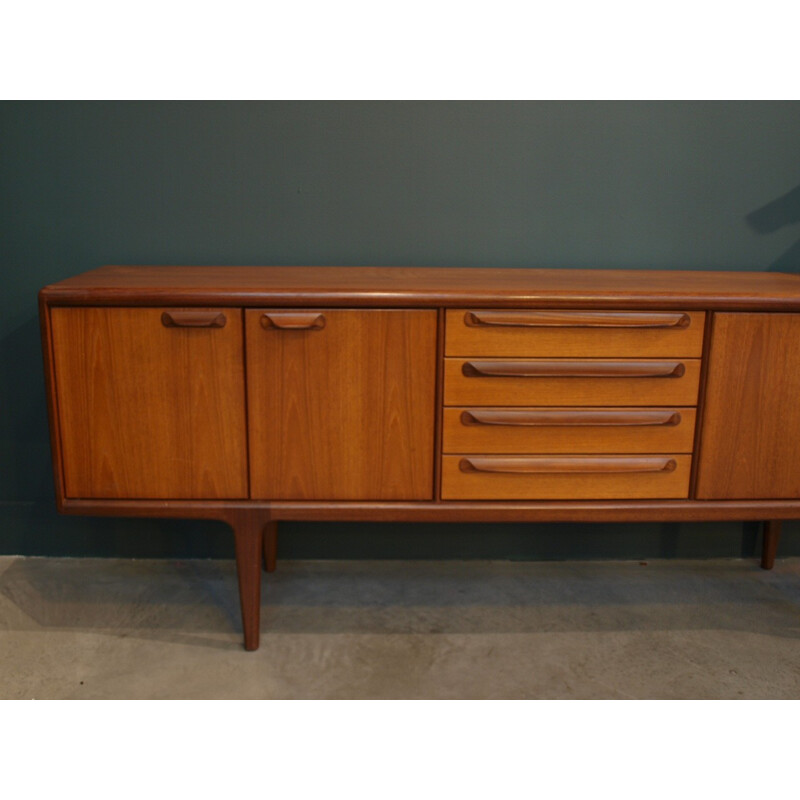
(270, 546)
(247, 533)
(772, 535)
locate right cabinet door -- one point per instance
(341, 403)
(750, 440)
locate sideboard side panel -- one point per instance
(751, 416)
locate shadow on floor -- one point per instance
(196, 602)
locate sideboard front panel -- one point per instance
(479, 429)
(751, 418)
(341, 403)
(558, 382)
(151, 402)
(548, 477)
(581, 334)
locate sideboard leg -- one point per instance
(270, 546)
(772, 535)
(247, 533)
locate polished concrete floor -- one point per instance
(109, 628)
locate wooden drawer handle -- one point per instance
(577, 319)
(531, 418)
(573, 369)
(293, 321)
(568, 464)
(193, 319)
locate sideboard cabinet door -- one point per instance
(750, 442)
(341, 403)
(151, 402)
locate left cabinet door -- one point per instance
(151, 402)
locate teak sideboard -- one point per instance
(258, 394)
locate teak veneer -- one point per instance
(258, 394)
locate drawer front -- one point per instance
(479, 477)
(574, 333)
(571, 382)
(568, 430)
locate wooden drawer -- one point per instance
(606, 477)
(569, 430)
(574, 333)
(571, 382)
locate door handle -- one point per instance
(604, 418)
(573, 369)
(293, 320)
(567, 464)
(577, 319)
(193, 319)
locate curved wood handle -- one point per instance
(577, 319)
(294, 320)
(605, 418)
(567, 464)
(193, 319)
(573, 369)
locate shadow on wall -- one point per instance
(774, 216)
(24, 439)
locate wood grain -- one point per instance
(569, 430)
(572, 484)
(346, 412)
(428, 287)
(147, 411)
(584, 334)
(751, 417)
(460, 389)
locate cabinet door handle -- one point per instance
(605, 418)
(193, 319)
(577, 319)
(573, 369)
(567, 464)
(293, 321)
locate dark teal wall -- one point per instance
(526, 184)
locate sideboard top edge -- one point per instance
(433, 286)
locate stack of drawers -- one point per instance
(552, 405)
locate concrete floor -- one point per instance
(109, 628)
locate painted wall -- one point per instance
(526, 184)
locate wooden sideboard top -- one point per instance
(427, 286)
